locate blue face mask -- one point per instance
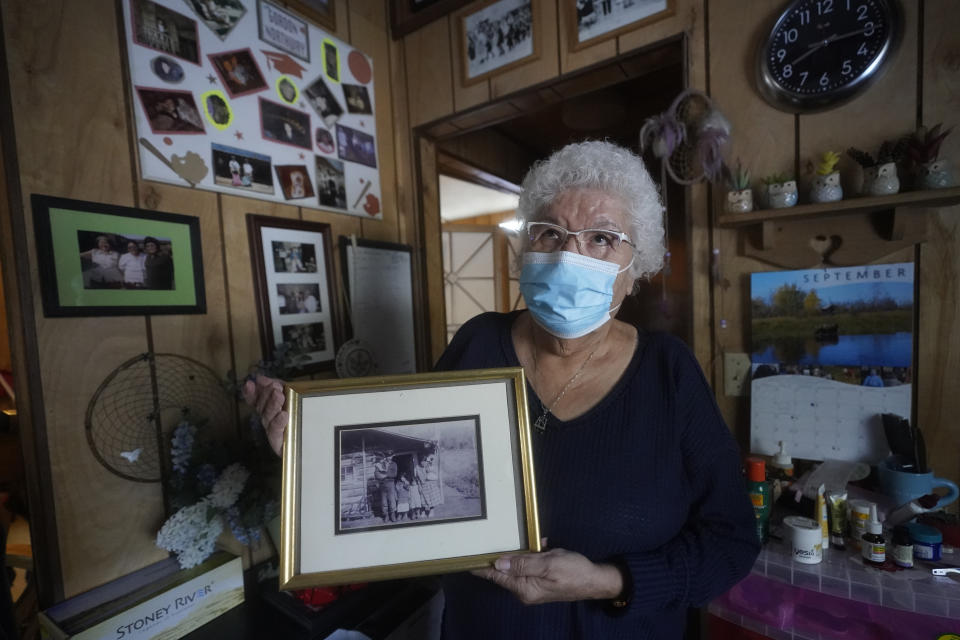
(569, 294)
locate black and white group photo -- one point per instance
(597, 17)
(408, 474)
(497, 35)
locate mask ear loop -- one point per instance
(613, 311)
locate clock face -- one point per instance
(822, 52)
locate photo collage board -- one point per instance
(248, 98)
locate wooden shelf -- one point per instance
(869, 204)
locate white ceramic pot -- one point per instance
(826, 188)
(881, 180)
(937, 175)
(739, 201)
(782, 194)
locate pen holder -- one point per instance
(904, 486)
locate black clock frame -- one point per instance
(787, 100)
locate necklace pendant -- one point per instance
(541, 423)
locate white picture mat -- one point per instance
(381, 306)
(482, 63)
(618, 17)
(503, 529)
(269, 235)
(246, 110)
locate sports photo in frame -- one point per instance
(105, 260)
(390, 477)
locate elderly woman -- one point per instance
(638, 478)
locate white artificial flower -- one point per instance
(190, 534)
(228, 486)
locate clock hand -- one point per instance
(848, 35)
(816, 46)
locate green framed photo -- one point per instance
(106, 260)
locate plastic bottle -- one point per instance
(873, 545)
(759, 491)
(782, 464)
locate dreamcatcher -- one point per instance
(688, 139)
(139, 404)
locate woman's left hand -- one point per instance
(557, 575)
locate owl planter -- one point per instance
(826, 188)
(937, 175)
(781, 194)
(929, 170)
(881, 180)
(739, 201)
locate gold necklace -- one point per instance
(541, 423)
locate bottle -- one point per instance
(822, 515)
(782, 465)
(902, 550)
(759, 491)
(873, 546)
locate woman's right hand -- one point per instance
(266, 396)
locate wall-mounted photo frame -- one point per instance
(497, 35)
(398, 476)
(99, 259)
(293, 284)
(593, 21)
(407, 16)
(322, 12)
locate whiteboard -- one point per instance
(380, 300)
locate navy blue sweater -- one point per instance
(649, 477)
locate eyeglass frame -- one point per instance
(576, 234)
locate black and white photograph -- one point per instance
(220, 15)
(287, 90)
(285, 125)
(331, 186)
(357, 98)
(298, 298)
(239, 72)
(170, 111)
(295, 181)
(596, 18)
(305, 338)
(498, 35)
(331, 60)
(409, 474)
(167, 69)
(125, 261)
(217, 109)
(356, 146)
(242, 169)
(323, 102)
(294, 257)
(163, 29)
(325, 141)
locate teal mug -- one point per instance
(904, 486)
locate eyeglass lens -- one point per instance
(597, 243)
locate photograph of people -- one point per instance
(132, 265)
(100, 266)
(639, 486)
(158, 264)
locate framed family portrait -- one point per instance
(592, 21)
(398, 476)
(293, 271)
(105, 260)
(495, 36)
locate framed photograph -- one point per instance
(495, 36)
(239, 72)
(283, 30)
(409, 15)
(323, 12)
(293, 276)
(356, 146)
(170, 111)
(163, 29)
(105, 260)
(398, 476)
(279, 123)
(592, 21)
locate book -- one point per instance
(160, 602)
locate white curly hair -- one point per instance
(611, 168)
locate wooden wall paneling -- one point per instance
(938, 356)
(464, 96)
(545, 67)
(5, 359)
(369, 32)
(403, 156)
(493, 152)
(429, 72)
(239, 274)
(886, 110)
(432, 249)
(572, 60)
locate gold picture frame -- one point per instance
(585, 30)
(465, 432)
(496, 36)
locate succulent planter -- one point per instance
(938, 174)
(780, 195)
(826, 188)
(739, 201)
(881, 180)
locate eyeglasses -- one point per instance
(596, 243)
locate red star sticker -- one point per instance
(239, 135)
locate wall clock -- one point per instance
(821, 53)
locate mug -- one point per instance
(904, 486)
